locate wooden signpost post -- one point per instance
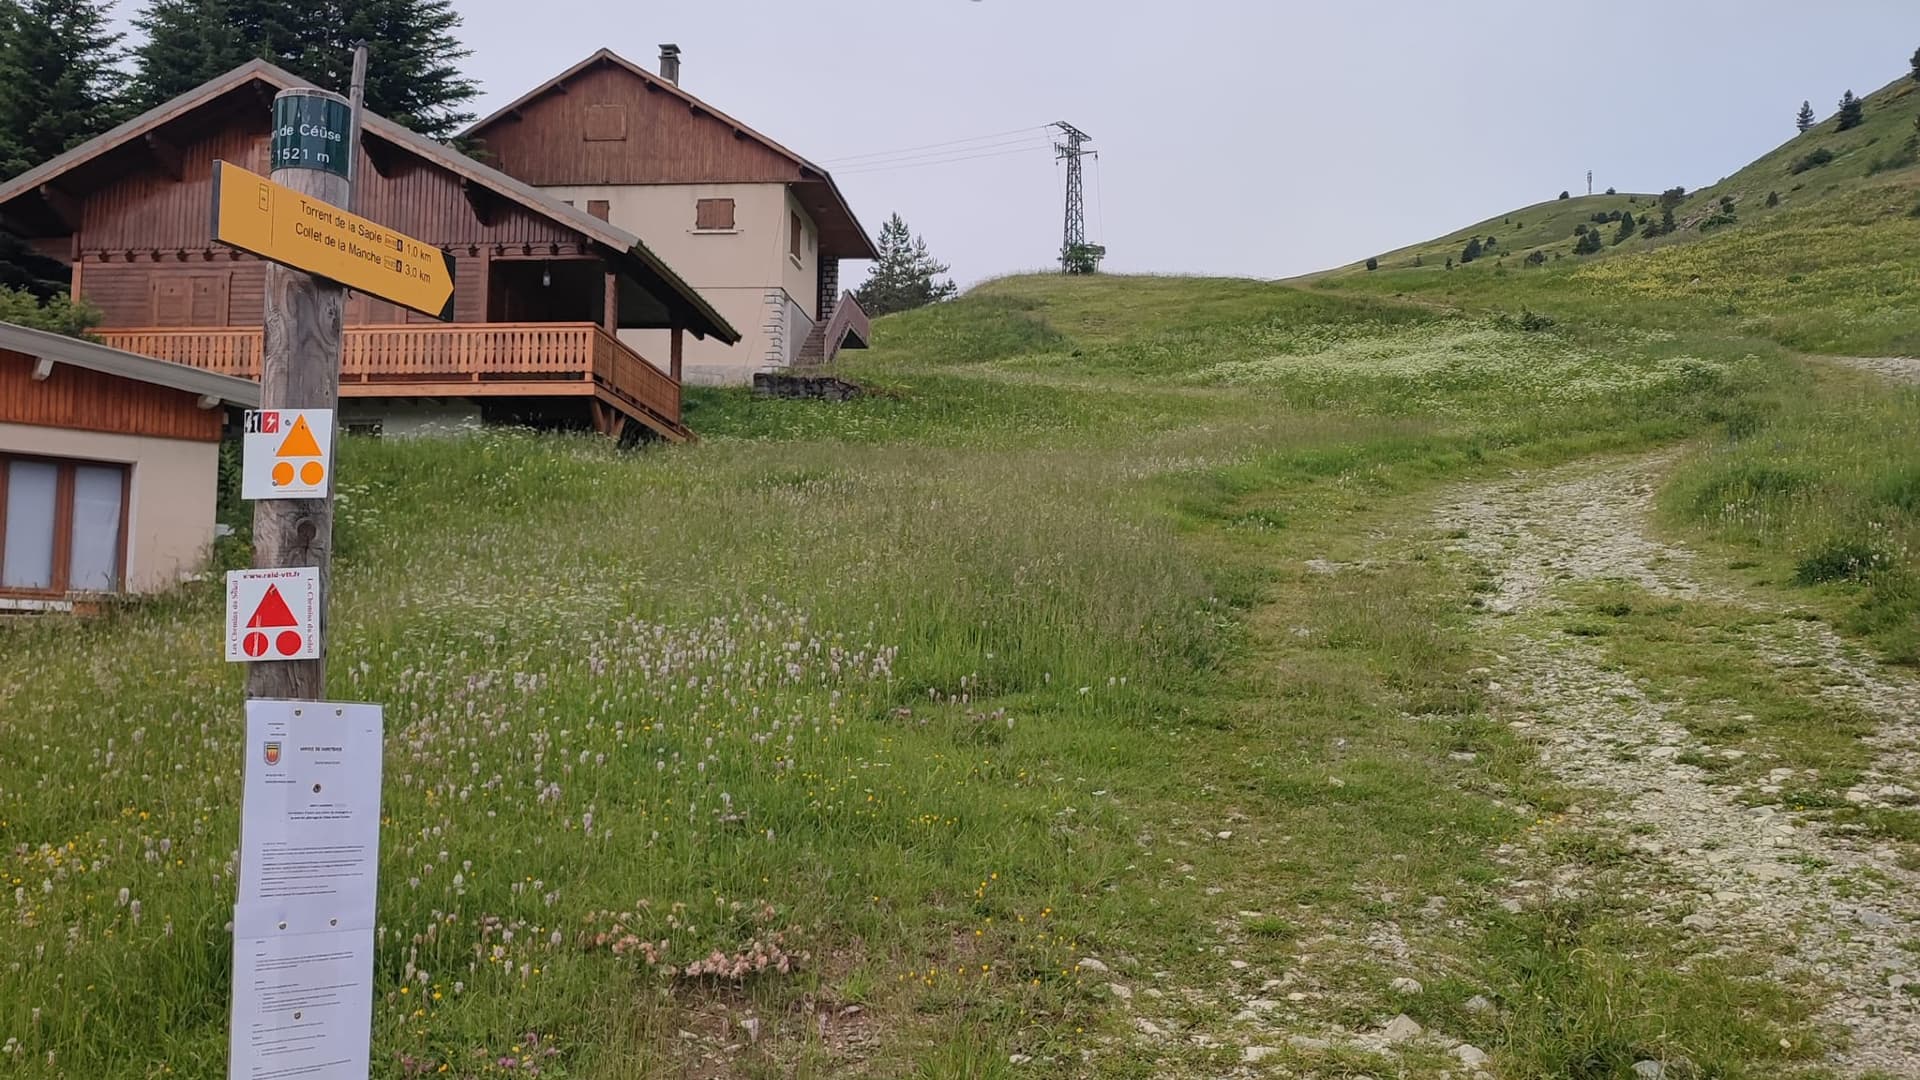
(300, 367)
(304, 940)
(298, 221)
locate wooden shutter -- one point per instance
(713, 214)
(207, 300)
(599, 208)
(794, 233)
(606, 123)
(172, 300)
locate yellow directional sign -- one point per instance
(275, 222)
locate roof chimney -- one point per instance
(670, 63)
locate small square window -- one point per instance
(606, 123)
(599, 208)
(713, 214)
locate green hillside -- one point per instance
(1827, 267)
(1547, 227)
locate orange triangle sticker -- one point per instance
(273, 610)
(299, 442)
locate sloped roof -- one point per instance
(708, 320)
(61, 349)
(836, 202)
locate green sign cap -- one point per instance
(310, 130)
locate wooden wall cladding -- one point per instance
(74, 397)
(612, 127)
(146, 210)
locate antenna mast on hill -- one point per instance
(1589, 181)
(1076, 256)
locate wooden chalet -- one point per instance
(542, 289)
(757, 228)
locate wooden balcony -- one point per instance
(526, 360)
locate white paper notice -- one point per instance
(302, 1006)
(309, 818)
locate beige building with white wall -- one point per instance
(756, 229)
(109, 469)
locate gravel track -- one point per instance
(1834, 907)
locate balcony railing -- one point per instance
(486, 359)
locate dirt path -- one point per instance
(1839, 909)
(1900, 368)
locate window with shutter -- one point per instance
(189, 299)
(795, 233)
(713, 214)
(208, 300)
(606, 123)
(172, 300)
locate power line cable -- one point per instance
(1099, 200)
(931, 155)
(943, 161)
(846, 159)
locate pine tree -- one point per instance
(1805, 120)
(1851, 111)
(1916, 65)
(57, 62)
(903, 277)
(191, 41)
(1471, 251)
(1626, 228)
(414, 77)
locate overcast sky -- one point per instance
(1250, 137)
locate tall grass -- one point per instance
(1827, 486)
(874, 704)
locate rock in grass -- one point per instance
(1254, 1054)
(1124, 993)
(1401, 1028)
(1088, 963)
(1478, 1003)
(1471, 1056)
(1404, 985)
(1649, 1070)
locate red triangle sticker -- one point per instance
(273, 610)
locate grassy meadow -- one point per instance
(1106, 653)
(834, 744)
